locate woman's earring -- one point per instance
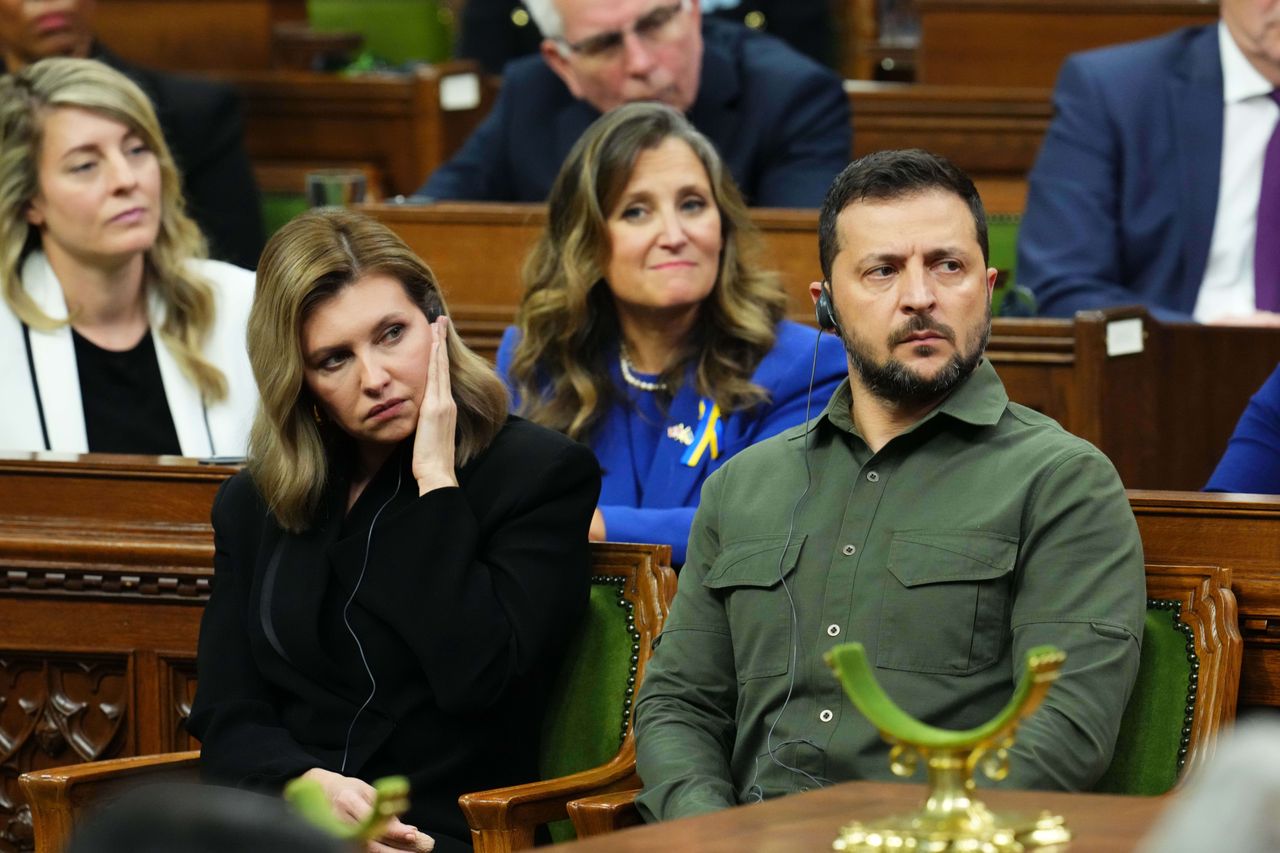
(315, 413)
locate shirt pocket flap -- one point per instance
(754, 562)
(920, 557)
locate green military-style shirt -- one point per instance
(983, 530)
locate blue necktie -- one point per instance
(1266, 255)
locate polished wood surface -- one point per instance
(991, 132)
(60, 795)
(194, 35)
(1237, 532)
(395, 126)
(810, 821)
(1023, 42)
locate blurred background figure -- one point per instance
(199, 819)
(779, 120)
(117, 334)
(647, 331)
(200, 119)
(1231, 803)
(494, 32)
(425, 647)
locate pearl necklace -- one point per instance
(629, 376)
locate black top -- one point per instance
(468, 599)
(125, 407)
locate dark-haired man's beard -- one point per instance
(894, 382)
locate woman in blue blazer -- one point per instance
(646, 330)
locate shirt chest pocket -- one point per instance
(946, 601)
(748, 576)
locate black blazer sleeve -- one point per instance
(234, 714)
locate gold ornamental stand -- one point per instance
(952, 818)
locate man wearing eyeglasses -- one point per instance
(780, 121)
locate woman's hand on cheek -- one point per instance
(433, 446)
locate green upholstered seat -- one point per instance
(590, 708)
(395, 31)
(1156, 730)
(586, 745)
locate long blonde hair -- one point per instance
(26, 100)
(307, 262)
(567, 319)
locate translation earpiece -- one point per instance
(823, 310)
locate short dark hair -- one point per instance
(887, 175)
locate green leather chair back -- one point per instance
(1156, 728)
(590, 708)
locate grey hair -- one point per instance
(546, 16)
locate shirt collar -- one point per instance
(979, 400)
(1240, 80)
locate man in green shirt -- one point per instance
(921, 514)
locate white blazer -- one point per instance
(52, 367)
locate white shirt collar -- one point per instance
(1240, 80)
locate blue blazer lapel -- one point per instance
(1195, 103)
(670, 482)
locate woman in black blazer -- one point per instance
(400, 567)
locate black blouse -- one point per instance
(125, 407)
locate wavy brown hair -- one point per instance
(26, 99)
(306, 263)
(567, 319)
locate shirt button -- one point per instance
(873, 477)
(850, 550)
(833, 630)
(826, 716)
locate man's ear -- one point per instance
(557, 62)
(815, 290)
(992, 273)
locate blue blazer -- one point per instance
(779, 120)
(670, 487)
(1123, 196)
(1252, 461)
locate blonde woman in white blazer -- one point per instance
(116, 333)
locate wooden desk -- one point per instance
(810, 821)
(394, 126)
(194, 35)
(1242, 533)
(1023, 42)
(992, 133)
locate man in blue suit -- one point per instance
(1147, 186)
(779, 120)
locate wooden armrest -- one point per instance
(604, 813)
(504, 819)
(58, 794)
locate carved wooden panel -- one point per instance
(178, 691)
(54, 710)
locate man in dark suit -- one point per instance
(1148, 188)
(200, 119)
(780, 121)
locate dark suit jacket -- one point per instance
(779, 120)
(203, 127)
(1124, 193)
(491, 36)
(465, 600)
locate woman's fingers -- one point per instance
(433, 449)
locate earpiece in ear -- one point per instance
(824, 312)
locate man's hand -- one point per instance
(352, 799)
